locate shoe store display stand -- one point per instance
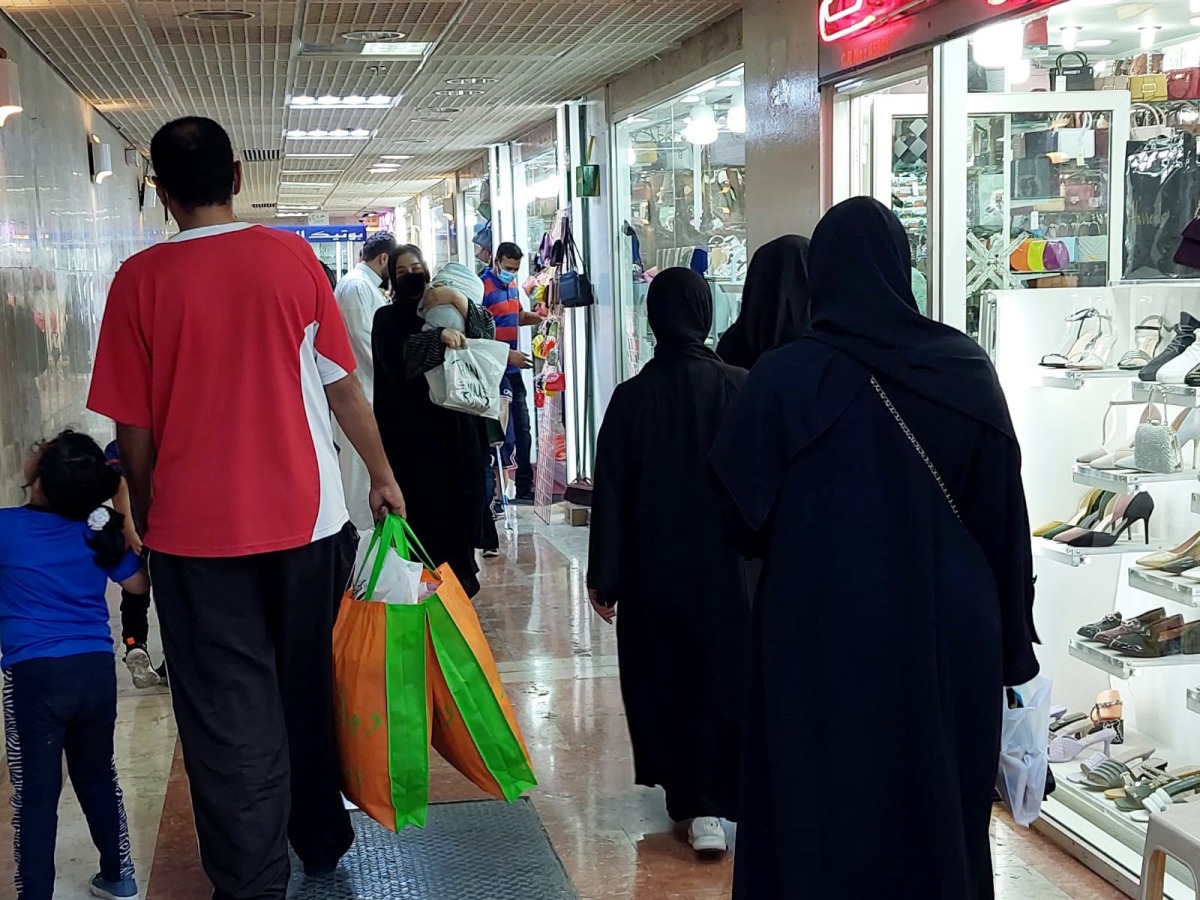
(1058, 415)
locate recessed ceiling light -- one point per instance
(318, 134)
(319, 156)
(430, 119)
(1095, 43)
(290, 215)
(374, 37)
(297, 207)
(409, 141)
(307, 184)
(401, 158)
(471, 79)
(396, 48)
(459, 92)
(690, 98)
(311, 172)
(729, 83)
(218, 15)
(354, 101)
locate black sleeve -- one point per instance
(994, 512)
(423, 351)
(611, 485)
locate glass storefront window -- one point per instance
(680, 188)
(475, 208)
(537, 186)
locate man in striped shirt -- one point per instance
(502, 298)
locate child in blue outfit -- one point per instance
(57, 555)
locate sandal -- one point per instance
(1064, 721)
(1079, 345)
(1162, 798)
(1107, 773)
(1065, 748)
(1147, 338)
(1109, 713)
(1130, 797)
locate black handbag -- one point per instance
(574, 286)
(1073, 67)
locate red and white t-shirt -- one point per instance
(221, 341)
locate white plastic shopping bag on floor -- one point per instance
(382, 574)
(1024, 761)
(469, 379)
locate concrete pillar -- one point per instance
(783, 118)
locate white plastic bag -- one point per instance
(469, 379)
(399, 580)
(1023, 758)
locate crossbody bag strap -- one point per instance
(912, 439)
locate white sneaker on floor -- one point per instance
(706, 835)
(137, 660)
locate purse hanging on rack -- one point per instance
(574, 286)
(1155, 443)
(1072, 72)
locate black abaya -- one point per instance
(775, 301)
(438, 455)
(885, 627)
(682, 617)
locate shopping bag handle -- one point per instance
(405, 541)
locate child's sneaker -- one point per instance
(137, 660)
(125, 889)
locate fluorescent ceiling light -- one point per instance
(459, 92)
(319, 134)
(354, 101)
(396, 157)
(313, 172)
(471, 79)
(396, 48)
(296, 207)
(290, 215)
(690, 98)
(365, 37)
(1093, 43)
(319, 156)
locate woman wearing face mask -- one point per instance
(436, 453)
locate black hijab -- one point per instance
(679, 308)
(860, 273)
(406, 317)
(775, 302)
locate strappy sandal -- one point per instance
(1109, 712)
(1162, 798)
(1082, 341)
(1130, 797)
(1147, 338)
(1066, 747)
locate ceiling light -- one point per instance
(396, 157)
(307, 184)
(1148, 35)
(471, 79)
(380, 99)
(100, 159)
(290, 215)
(319, 156)
(637, 120)
(440, 110)
(1018, 72)
(690, 98)
(218, 15)
(1070, 37)
(999, 45)
(312, 172)
(1093, 43)
(303, 101)
(321, 135)
(459, 92)
(328, 100)
(297, 207)
(430, 119)
(702, 129)
(396, 48)
(373, 37)
(729, 83)
(10, 88)
(354, 100)
(339, 133)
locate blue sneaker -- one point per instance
(125, 889)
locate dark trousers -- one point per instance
(524, 435)
(489, 538)
(54, 707)
(251, 649)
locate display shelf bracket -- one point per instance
(1125, 480)
(1077, 556)
(1123, 667)
(1169, 587)
(1075, 379)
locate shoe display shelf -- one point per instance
(1181, 395)
(1078, 379)
(1075, 556)
(1057, 415)
(1113, 835)
(1169, 587)
(1126, 480)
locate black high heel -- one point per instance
(1139, 510)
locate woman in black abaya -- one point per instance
(891, 614)
(775, 301)
(438, 455)
(657, 564)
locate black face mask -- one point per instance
(411, 284)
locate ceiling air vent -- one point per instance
(262, 205)
(253, 156)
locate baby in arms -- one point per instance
(446, 300)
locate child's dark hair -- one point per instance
(76, 479)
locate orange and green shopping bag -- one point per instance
(474, 726)
(383, 700)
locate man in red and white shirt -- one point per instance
(221, 357)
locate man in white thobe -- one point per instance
(359, 295)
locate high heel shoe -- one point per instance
(1084, 338)
(1101, 458)
(1190, 547)
(1185, 336)
(1147, 338)
(1096, 355)
(1109, 712)
(1188, 429)
(1085, 507)
(1065, 748)
(1139, 509)
(1094, 514)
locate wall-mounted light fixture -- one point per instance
(100, 159)
(10, 88)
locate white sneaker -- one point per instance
(706, 835)
(137, 660)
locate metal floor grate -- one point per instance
(480, 850)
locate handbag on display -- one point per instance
(1156, 443)
(1184, 84)
(574, 286)
(1162, 193)
(1147, 122)
(1113, 83)
(1148, 88)
(1072, 72)
(1079, 195)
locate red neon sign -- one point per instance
(839, 19)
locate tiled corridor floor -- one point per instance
(559, 662)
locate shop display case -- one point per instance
(1060, 414)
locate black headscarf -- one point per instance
(860, 273)
(407, 319)
(775, 302)
(679, 308)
